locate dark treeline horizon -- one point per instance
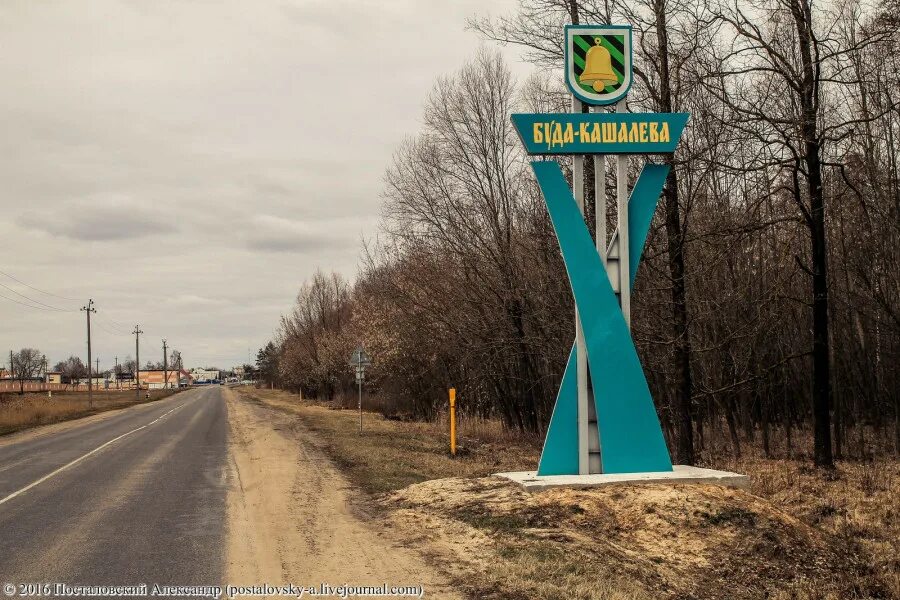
(768, 299)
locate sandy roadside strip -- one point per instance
(289, 518)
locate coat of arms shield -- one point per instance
(598, 62)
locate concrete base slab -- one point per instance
(681, 474)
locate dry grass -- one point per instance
(653, 541)
(30, 410)
(858, 503)
(800, 533)
(393, 454)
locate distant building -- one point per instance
(153, 379)
(203, 375)
(238, 372)
(54, 377)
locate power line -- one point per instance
(115, 329)
(107, 329)
(114, 322)
(117, 325)
(31, 287)
(35, 301)
(51, 309)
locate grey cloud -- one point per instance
(195, 301)
(216, 153)
(275, 234)
(100, 223)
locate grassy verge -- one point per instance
(858, 503)
(799, 534)
(390, 455)
(19, 412)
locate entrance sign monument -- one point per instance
(604, 427)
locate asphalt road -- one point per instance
(138, 497)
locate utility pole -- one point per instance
(88, 310)
(12, 371)
(165, 367)
(44, 368)
(97, 370)
(137, 361)
(118, 379)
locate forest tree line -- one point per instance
(768, 298)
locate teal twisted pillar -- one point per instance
(631, 439)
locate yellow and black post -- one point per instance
(453, 421)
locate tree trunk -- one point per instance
(897, 426)
(573, 11)
(822, 451)
(684, 448)
(838, 428)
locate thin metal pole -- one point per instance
(165, 367)
(600, 200)
(622, 211)
(580, 345)
(600, 234)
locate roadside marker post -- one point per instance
(453, 421)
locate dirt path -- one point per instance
(289, 515)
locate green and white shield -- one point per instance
(598, 62)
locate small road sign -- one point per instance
(360, 360)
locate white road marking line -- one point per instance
(81, 458)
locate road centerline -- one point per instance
(74, 462)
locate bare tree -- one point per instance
(26, 364)
(72, 370)
(772, 72)
(465, 285)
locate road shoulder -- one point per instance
(494, 540)
(290, 518)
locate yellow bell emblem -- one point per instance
(598, 70)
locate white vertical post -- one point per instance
(580, 345)
(600, 232)
(622, 212)
(600, 200)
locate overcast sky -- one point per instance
(188, 164)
